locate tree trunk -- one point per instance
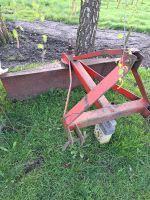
(89, 16)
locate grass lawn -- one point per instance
(110, 17)
(118, 170)
(32, 164)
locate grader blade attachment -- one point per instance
(22, 85)
(103, 66)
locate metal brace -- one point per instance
(71, 140)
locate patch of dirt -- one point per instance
(59, 37)
(30, 166)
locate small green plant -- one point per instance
(4, 33)
(44, 38)
(16, 37)
(77, 152)
(42, 46)
(41, 17)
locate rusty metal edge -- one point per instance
(55, 66)
(26, 84)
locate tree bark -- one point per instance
(89, 16)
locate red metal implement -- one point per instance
(78, 117)
(21, 85)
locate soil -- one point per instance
(59, 37)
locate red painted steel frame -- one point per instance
(110, 52)
(109, 113)
(77, 115)
(116, 88)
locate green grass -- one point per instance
(33, 129)
(118, 170)
(24, 67)
(111, 17)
